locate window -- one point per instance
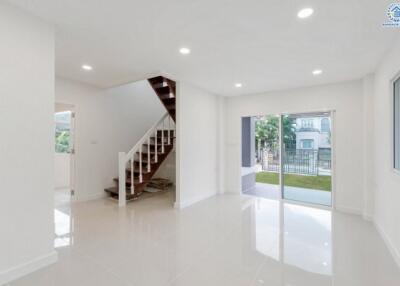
(63, 129)
(397, 124)
(325, 126)
(307, 143)
(307, 123)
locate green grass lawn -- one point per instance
(322, 183)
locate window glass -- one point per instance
(307, 143)
(325, 125)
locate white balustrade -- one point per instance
(125, 159)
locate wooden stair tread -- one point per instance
(137, 170)
(137, 196)
(169, 100)
(144, 160)
(157, 80)
(135, 180)
(165, 89)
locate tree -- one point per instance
(289, 132)
(62, 142)
(267, 131)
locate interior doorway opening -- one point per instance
(64, 172)
(64, 153)
(288, 156)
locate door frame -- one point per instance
(72, 161)
(332, 113)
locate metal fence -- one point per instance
(297, 161)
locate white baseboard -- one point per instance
(390, 245)
(27, 267)
(91, 197)
(353, 211)
(348, 210)
(185, 204)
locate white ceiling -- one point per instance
(260, 43)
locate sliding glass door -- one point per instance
(307, 158)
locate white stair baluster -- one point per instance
(148, 156)
(169, 130)
(156, 147)
(162, 138)
(140, 165)
(132, 175)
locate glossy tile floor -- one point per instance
(225, 240)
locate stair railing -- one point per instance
(128, 159)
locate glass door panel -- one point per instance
(306, 158)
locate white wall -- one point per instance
(386, 182)
(346, 98)
(167, 170)
(62, 166)
(27, 143)
(197, 144)
(106, 122)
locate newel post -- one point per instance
(122, 179)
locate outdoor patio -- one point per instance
(270, 191)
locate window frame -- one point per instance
(311, 141)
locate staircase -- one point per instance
(138, 166)
(165, 90)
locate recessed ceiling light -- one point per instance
(184, 51)
(238, 85)
(317, 72)
(305, 13)
(87, 67)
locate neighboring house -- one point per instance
(313, 133)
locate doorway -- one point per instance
(292, 157)
(64, 153)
